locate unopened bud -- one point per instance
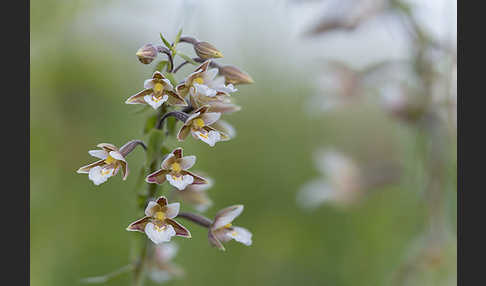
(234, 75)
(147, 54)
(205, 51)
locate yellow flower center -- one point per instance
(198, 123)
(159, 228)
(228, 225)
(199, 80)
(105, 172)
(176, 167)
(109, 160)
(158, 87)
(159, 215)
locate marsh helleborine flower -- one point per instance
(162, 268)
(174, 169)
(158, 90)
(158, 223)
(221, 230)
(111, 160)
(204, 81)
(198, 124)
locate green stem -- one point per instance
(139, 271)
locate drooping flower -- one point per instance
(199, 125)
(221, 230)
(147, 53)
(220, 103)
(205, 82)
(158, 223)
(158, 90)
(162, 269)
(205, 51)
(111, 161)
(342, 184)
(196, 195)
(174, 169)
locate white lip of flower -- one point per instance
(210, 137)
(180, 182)
(100, 175)
(159, 234)
(156, 101)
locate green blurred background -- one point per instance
(83, 67)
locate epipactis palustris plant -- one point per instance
(198, 101)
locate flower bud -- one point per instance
(234, 75)
(147, 54)
(205, 51)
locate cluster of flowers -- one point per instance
(203, 96)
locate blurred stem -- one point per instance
(199, 219)
(139, 271)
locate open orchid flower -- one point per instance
(198, 124)
(111, 161)
(196, 195)
(221, 230)
(204, 81)
(174, 169)
(162, 269)
(158, 223)
(158, 90)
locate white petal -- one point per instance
(99, 175)
(241, 234)
(227, 217)
(149, 99)
(210, 74)
(192, 116)
(173, 209)
(117, 156)
(149, 83)
(205, 90)
(210, 137)
(166, 251)
(150, 206)
(168, 85)
(160, 276)
(179, 182)
(101, 154)
(314, 193)
(159, 234)
(187, 162)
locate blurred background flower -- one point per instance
(83, 52)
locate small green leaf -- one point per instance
(166, 43)
(171, 125)
(170, 76)
(187, 58)
(161, 65)
(154, 143)
(178, 37)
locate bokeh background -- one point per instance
(83, 67)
